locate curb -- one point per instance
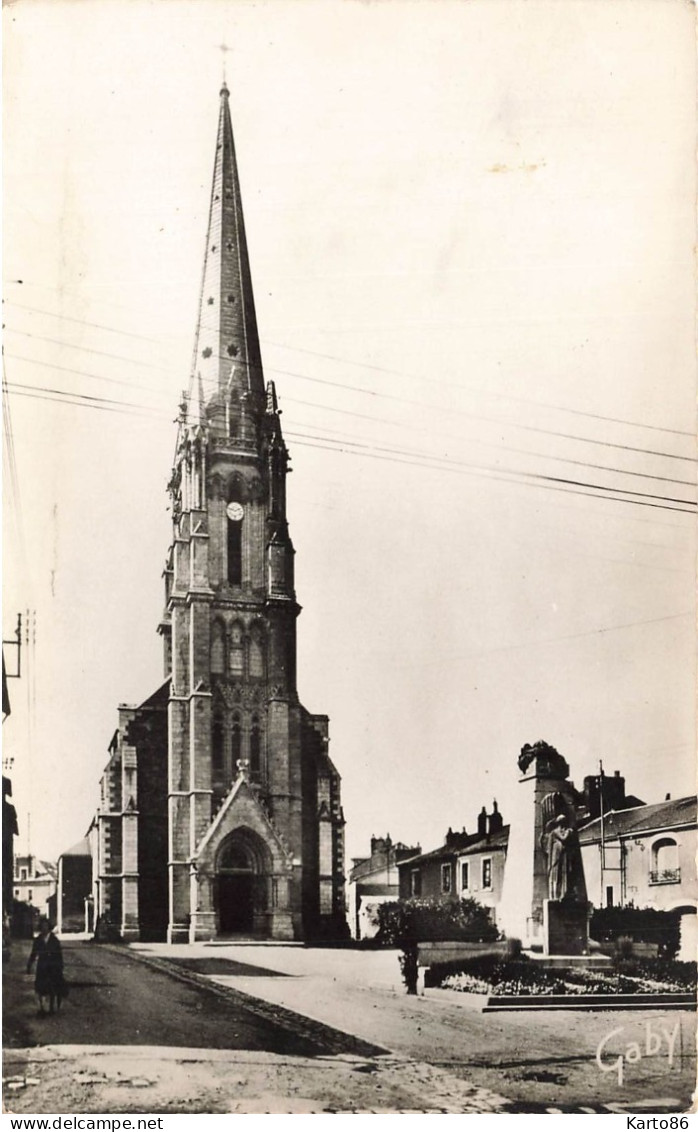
(336, 1041)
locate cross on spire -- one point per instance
(224, 50)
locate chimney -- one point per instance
(495, 820)
(482, 823)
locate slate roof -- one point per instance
(483, 844)
(642, 819)
(80, 849)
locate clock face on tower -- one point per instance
(235, 512)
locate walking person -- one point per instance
(48, 983)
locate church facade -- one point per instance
(228, 776)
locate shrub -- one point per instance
(407, 923)
(429, 921)
(641, 925)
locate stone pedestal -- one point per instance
(565, 927)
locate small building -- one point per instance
(373, 881)
(75, 889)
(34, 883)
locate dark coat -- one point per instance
(49, 965)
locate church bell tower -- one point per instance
(254, 815)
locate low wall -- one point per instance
(430, 953)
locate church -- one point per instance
(220, 811)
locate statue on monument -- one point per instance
(557, 851)
(561, 847)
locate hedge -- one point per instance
(643, 925)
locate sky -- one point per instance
(470, 229)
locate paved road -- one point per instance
(135, 1037)
(115, 999)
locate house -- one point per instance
(373, 881)
(632, 853)
(646, 856)
(480, 866)
(34, 883)
(439, 873)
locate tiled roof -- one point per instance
(642, 819)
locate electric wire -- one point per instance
(381, 451)
(356, 445)
(369, 417)
(379, 369)
(370, 366)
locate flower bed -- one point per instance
(521, 977)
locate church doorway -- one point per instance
(241, 884)
(236, 903)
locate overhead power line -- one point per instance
(397, 455)
(371, 417)
(450, 410)
(375, 368)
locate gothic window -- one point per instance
(257, 652)
(255, 748)
(217, 744)
(218, 648)
(235, 518)
(237, 651)
(236, 741)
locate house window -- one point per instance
(30, 895)
(465, 875)
(22, 874)
(664, 862)
(415, 883)
(16, 893)
(445, 878)
(487, 872)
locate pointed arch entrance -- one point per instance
(243, 867)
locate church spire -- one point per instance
(226, 332)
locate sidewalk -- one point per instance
(137, 1079)
(546, 1060)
